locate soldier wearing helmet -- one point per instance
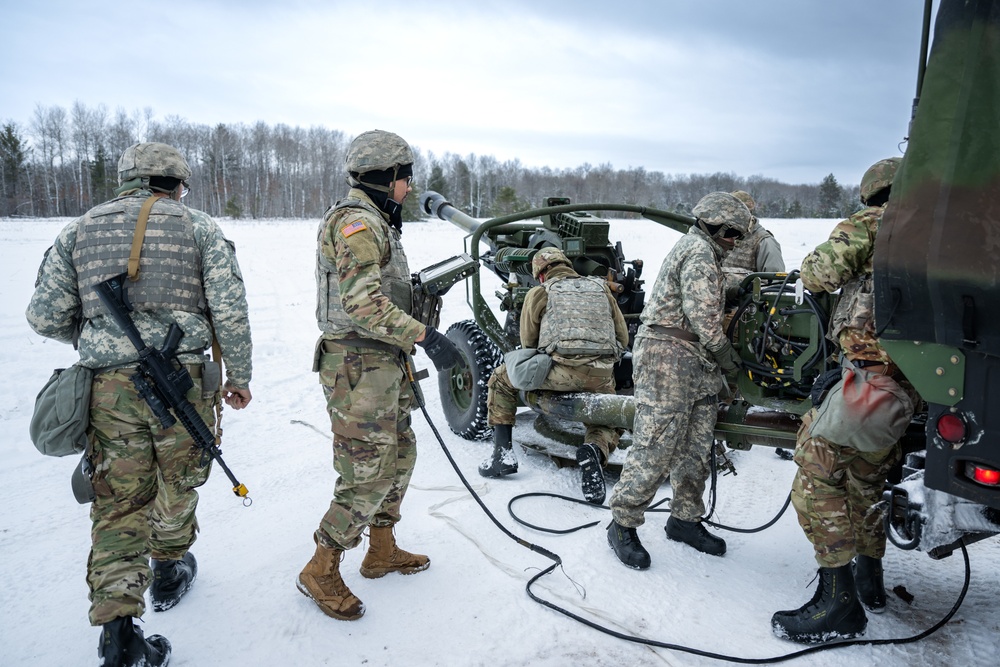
(364, 305)
(758, 252)
(576, 321)
(836, 485)
(185, 272)
(677, 356)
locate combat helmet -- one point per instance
(378, 150)
(728, 215)
(747, 200)
(143, 160)
(878, 177)
(546, 257)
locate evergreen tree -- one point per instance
(830, 198)
(13, 159)
(437, 182)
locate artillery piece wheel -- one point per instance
(464, 391)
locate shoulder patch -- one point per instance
(353, 228)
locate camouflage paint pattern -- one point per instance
(55, 308)
(675, 413)
(144, 480)
(369, 401)
(152, 159)
(834, 494)
(376, 150)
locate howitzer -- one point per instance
(779, 333)
(160, 379)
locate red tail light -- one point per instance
(951, 427)
(986, 475)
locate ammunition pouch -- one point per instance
(426, 307)
(527, 368)
(62, 412)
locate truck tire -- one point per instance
(464, 391)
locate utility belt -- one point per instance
(673, 332)
(208, 371)
(362, 343)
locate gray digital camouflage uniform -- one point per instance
(757, 252)
(145, 475)
(676, 384)
(365, 303)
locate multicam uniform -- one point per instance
(601, 333)
(365, 300)
(836, 486)
(676, 384)
(188, 271)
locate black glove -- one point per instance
(727, 358)
(442, 351)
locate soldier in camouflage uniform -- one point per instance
(363, 309)
(576, 321)
(678, 353)
(757, 252)
(145, 476)
(836, 486)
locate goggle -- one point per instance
(185, 189)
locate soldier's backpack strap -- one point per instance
(139, 236)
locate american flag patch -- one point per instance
(353, 228)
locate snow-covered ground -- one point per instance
(470, 607)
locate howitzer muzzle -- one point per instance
(434, 204)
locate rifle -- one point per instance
(160, 379)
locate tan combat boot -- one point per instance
(384, 556)
(321, 582)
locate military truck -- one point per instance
(937, 267)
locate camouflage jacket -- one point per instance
(56, 310)
(844, 260)
(535, 305)
(359, 243)
(688, 293)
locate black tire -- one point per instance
(464, 391)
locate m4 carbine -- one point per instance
(160, 379)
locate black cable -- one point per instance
(557, 562)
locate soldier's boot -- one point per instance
(833, 613)
(588, 456)
(502, 460)
(626, 545)
(694, 534)
(122, 645)
(171, 580)
(868, 577)
(385, 556)
(320, 581)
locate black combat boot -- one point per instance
(171, 580)
(588, 456)
(626, 545)
(833, 613)
(693, 533)
(502, 461)
(122, 645)
(869, 582)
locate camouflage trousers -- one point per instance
(144, 480)
(672, 434)
(501, 399)
(834, 492)
(369, 399)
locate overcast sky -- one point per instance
(789, 89)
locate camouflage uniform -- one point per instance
(144, 475)
(836, 487)
(367, 332)
(570, 372)
(676, 384)
(757, 252)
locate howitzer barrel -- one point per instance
(436, 205)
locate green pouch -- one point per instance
(527, 368)
(62, 412)
(865, 411)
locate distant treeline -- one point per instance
(63, 163)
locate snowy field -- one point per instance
(470, 607)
